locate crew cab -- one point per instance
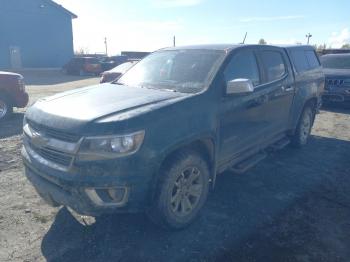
(155, 140)
(337, 72)
(12, 93)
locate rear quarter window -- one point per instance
(312, 59)
(274, 65)
(304, 60)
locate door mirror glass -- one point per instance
(239, 86)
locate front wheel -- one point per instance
(303, 130)
(182, 191)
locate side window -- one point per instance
(299, 60)
(312, 59)
(274, 65)
(304, 60)
(243, 65)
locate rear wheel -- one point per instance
(5, 108)
(182, 192)
(303, 130)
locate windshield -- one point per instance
(336, 61)
(186, 71)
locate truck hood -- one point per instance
(330, 72)
(95, 102)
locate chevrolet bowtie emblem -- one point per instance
(38, 140)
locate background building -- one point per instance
(35, 33)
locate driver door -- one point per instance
(242, 119)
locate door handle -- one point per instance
(288, 88)
(259, 101)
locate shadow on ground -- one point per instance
(294, 206)
(12, 126)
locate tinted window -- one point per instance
(312, 59)
(304, 60)
(243, 65)
(274, 65)
(299, 60)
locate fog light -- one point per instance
(117, 194)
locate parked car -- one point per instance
(83, 66)
(12, 93)
(110, 62)
(178, 118)
(109, 76)
(337, 71)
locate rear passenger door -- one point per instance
(277, 89)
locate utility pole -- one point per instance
(106, 47)
(174, 41)
(308, 36)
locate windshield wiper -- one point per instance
(116, 83)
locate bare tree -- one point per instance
(262, 41)
(81, 51)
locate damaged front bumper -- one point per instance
(84, 193)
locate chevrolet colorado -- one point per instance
(155, 139)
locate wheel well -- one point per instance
(312, 102)
(204, 147)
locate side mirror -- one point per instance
(239, 86)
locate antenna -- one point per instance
(245, 36)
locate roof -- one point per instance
(229, 47)
(305, 47)
(61, 8)
(220, 47)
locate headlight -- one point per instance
(108, 147)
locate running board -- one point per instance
(248, 163)
(280, 144)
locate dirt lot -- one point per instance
(293, 206)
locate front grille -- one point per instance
(53, 155)
(338, 82)
(53, 133)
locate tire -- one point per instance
(5, 108)
(304, 126)
(182, 191)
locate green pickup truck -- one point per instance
(155, 140)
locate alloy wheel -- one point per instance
(187, 191)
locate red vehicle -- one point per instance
(12, 93)
(83, 66)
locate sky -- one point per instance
(147, 25)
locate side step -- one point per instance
(248, 163)
(279, 144)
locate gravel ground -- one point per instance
(293, 206)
